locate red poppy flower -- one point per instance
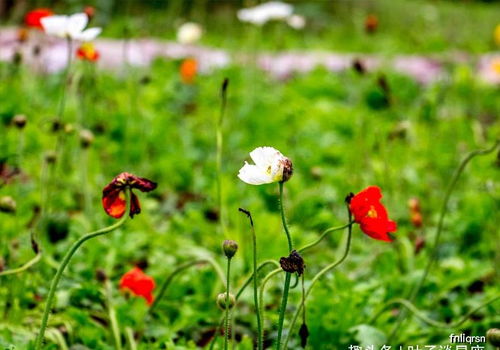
(371, 23)
(87, 52)
(371, 215)
(113, 195)
(140, 284)
(32, 18)
(188, 70)
(89, 11)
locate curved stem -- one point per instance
(226, 332)
(439, 229)
(288, 276)
(261, 292)
(24, 267)
(322, 236)
(316, 279)
(65, 262)
(413, 309)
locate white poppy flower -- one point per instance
(189, 33)
(296, 22)
(270, 166)
(70, 27)
(263, 13)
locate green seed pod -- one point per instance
(493, 336)
(229, 247)
(221, 301)
(86, 138)
(19, 121)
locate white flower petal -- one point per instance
(55, 25)
(88, 34)
(254, 175)
(265, 156)
(76, 24)
(189, 33)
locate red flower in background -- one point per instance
(188, 70)
(89, 11)
(371, 23)
(113, 195)
(371, 215)
(140, 284)
(87, 52)
(32, 18)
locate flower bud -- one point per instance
(287, 169)
(100, 275)
(7, 204)
(221, 301)
(493, 336)
(414, 204)
(86, 138)
(416, 219)
(69, 128)
(229, 247)
(19, 121)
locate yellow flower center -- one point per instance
(372, 213)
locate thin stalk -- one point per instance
(413, 309)
(288, 276)
(129, 333)
(24, 267)
(322, 236)
(226, 332)
(174, 273)
(261, 292)
(219, 145)
(255, 282)
(64, 264)
(439, 229)
(316, 279)
(115, 328)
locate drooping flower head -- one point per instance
(270, 166)
(371, 215)
(33, 18)
(188, 70)
(87, 52)
(140, 284)
(113, 195)
(189, 33)
(261, 14)
(70, 27)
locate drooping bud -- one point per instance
(229, 247)
(7, 204)
(349, 197)
(221, 301)
(19, 121)
(493, 336)
(304, 334)
(100, 275)
(294, 263)
(86, 138)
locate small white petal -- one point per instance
(265, 156)
(55, 25)
(253, 175)
(76, 24)
(189, 33)
(88, 34)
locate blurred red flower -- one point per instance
(113, 195)
(140, 284)
(32, 18)
(371, 215)
(371, 23)
(89, 11)
(87, 52)
(188, 70)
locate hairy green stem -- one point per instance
(316, 279)
(413, 309)
(439, 229)
(288, 276)
(219, 145)
(262, 290)
(115, 328)
(64, 264)
(129, 333)
(322, 236)
(226, 332)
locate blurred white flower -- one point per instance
(270, 166)
(189, 33)
(296, 22)
(263, 13)
(70, 27)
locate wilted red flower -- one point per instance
(188, 70)
(32, 18)
(139, 284)
(371, 23)
(113, 195)
(87, 52)
(371, 215)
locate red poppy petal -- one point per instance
(142, 184)
(114, 202)
(135, 206)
